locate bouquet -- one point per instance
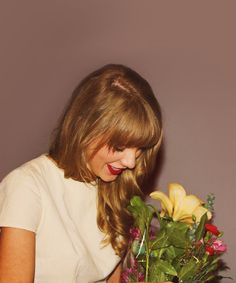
(184, 246)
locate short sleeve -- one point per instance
(20, 202)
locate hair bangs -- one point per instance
(130, 129)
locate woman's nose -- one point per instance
(129, 158)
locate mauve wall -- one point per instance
(186, 50)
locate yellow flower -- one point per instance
(179, 206)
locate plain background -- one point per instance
(185, 49)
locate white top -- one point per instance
(62, 213)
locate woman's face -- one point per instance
(107, 163)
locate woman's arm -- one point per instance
(17, 255)
(115, 276)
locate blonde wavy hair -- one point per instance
(117, 106)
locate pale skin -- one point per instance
(17, 255)
(115, 276)
(118, 159)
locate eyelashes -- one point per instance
(119, 149)
(122, 148)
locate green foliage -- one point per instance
(141, 212)
(159, 269)
(200, 229)
(176, 252)
(161, 240)
(187, 271)
(210, 202)
(177, 234)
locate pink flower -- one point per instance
(135, 233)
(141, 276)
(124, 277)
(215, 246)
(219, 246)
(131, 271)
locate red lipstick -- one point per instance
(114, 171)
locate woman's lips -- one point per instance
(113, 170)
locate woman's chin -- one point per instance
(108, 178)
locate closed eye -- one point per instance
(119, 149)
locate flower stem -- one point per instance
(147, 254)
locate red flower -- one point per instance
(209, 250)
(213, 229)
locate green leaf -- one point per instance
(159, 265)
(157, 276)
(207, 273)
(177, 235)
(177, 240)
(177, 264)
(160, 241)
(180, 226)
(141, 212)
(211, 268)
(170, 253)
(136, 201)
(188, 270)
(201, 227)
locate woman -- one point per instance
(63, 215)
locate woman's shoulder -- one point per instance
(28, 171)
(21, 195)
